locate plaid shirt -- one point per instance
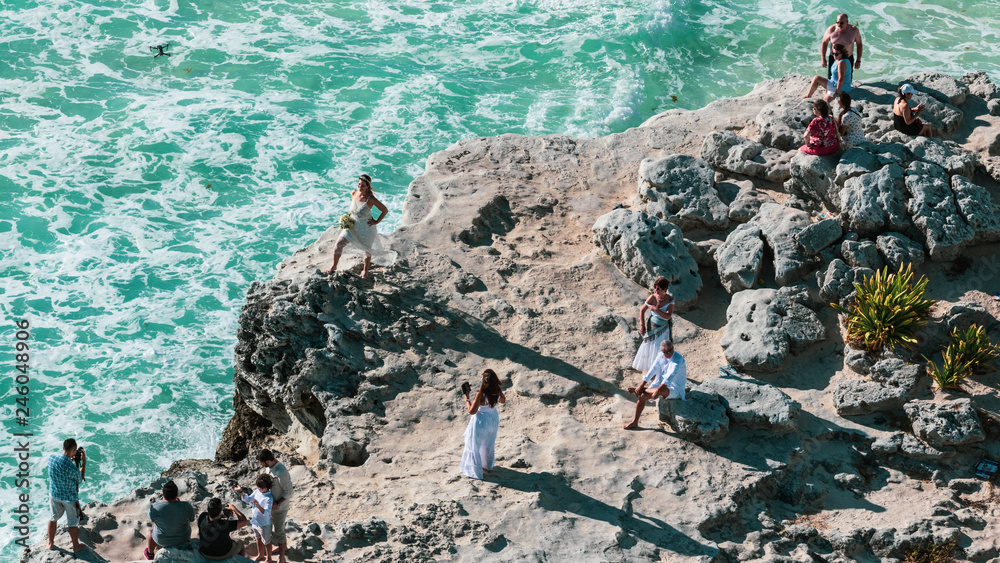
(64, 478)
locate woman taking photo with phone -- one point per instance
(481, 433)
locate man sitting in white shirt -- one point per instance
(667, 378)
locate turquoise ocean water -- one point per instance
(139, 197)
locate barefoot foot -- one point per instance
(630, 426)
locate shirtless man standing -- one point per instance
(845, 34)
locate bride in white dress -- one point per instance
(481, 433)
(363, 234)
(661, 308)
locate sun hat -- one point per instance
(908, 89)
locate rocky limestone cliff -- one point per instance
(507, 258)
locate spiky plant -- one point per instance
(927, 552)
(887, 311)
(967, 352)
(973, 345)
(954, 368)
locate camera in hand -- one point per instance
(227, 513)
(466, 388)
(78, 457)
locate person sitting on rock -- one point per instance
(214, 527)
(904, 119)
(667, 378)
(171, 519)
(849, 123)
(840, 76)
(821, 135)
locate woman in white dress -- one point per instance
(481, 433)
(363, 234)
(661, 307)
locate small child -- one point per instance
(260, 517)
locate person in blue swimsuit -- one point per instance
(840, 76)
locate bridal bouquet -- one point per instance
(346, 222)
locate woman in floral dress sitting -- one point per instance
(821, 135)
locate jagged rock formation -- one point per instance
(755, 404)
(893, 383)
(739, 259)
(747, 204)
(681, 189)
(764, 325)
(645, 248)
(951, 424)
(700, 418)
(837, 282)
(728, 151)
(861, 254)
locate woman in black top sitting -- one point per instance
(905, 119)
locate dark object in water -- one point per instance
(159, 50)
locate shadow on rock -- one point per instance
(556, 495)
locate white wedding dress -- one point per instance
(480, 439)
(362, 235)
(649, 350)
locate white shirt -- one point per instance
(266, 501)
(671, 372)
(281, 488)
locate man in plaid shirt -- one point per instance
(64, 486)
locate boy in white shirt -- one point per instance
(260, 517)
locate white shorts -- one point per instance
(60, 506)
(262, 532)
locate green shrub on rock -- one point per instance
(887, 311)
(927, 552)
(953, 369)
(975, 346)
(969, 351)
